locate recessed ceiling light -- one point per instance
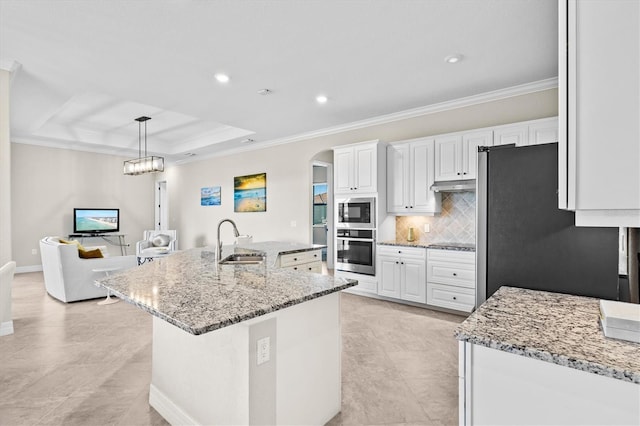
(222, 78)
(321, 99)
(452, 59)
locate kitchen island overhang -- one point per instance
(210, 328)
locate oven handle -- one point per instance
(365, 240)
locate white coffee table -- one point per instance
(108, 300)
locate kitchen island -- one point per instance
(534, 357)
(239, 344)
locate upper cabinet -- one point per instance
(599, 110)
(410, 174)
(456, 154)
(534, 132)
(356, 168)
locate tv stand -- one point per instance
(121, 239)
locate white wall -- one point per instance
(5, 170)
(47, 183)
(288, 169)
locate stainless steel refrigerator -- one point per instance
(524, 240)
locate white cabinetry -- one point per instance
(451, 280)
(356, 168)
(410, 174)
(306, 261)
(598, 88)
(502, 388)
(533, 132)
(402, 273)
(456, 154)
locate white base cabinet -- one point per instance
(451, 279)
(307, 261)
(502, 388)
(402, 273)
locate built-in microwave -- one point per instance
(356, 213)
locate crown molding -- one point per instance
(509, 92)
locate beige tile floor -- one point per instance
(84, 364)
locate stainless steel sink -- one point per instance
(243, 259)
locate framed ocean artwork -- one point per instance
(210, 196)
(250, 193)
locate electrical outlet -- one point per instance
(34, 251)
(263, 350)
(427, 227)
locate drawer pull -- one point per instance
(295, 268)
(455, 275)
(455, 298)
(315, 255)
(310, 268)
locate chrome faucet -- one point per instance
(235, 233)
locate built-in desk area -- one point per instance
(120, 242)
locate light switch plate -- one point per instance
(263, 350)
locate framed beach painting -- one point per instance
(250, 193)
(210, 196)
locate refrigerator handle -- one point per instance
(481, 226)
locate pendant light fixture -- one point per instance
(146, 164)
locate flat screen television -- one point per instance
(96, 221)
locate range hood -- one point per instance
(454, 186)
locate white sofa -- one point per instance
(69, 278)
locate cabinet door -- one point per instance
(448, 152)
(365, 178)
(599, 149)
(422, 176)
(343, 162)
(389, 270)
(506, 135)
(543, 132)
(398, 182)
(413, 280)
(470, 144)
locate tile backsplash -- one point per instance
(456, 223)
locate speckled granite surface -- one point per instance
(190, 290)
(552, 327)
(440, 246)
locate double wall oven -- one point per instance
(356, 235)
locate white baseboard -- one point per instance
(167, 409)
(6, 328)
(31, 268)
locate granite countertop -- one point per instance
(422, 244)
(190, 290)
(552, 327)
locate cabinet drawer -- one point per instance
(451, 297)
(401, 251)
(300, 258)
(315, 267)
(440, 255)
(459, 274)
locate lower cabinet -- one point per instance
(402, 273)
(451, 281)
(306, 261)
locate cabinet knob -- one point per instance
(410, 207)
(458, 173)
(464, 173)
(455, 275)
(310, 268)
(402, 263)
(406, 207)
(295, 268)
(454, 298)
(399, 251)
(396, 262)
(315, 255)
(295, 259)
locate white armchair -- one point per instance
(69, 278)
(157, 242)
(6, 280)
